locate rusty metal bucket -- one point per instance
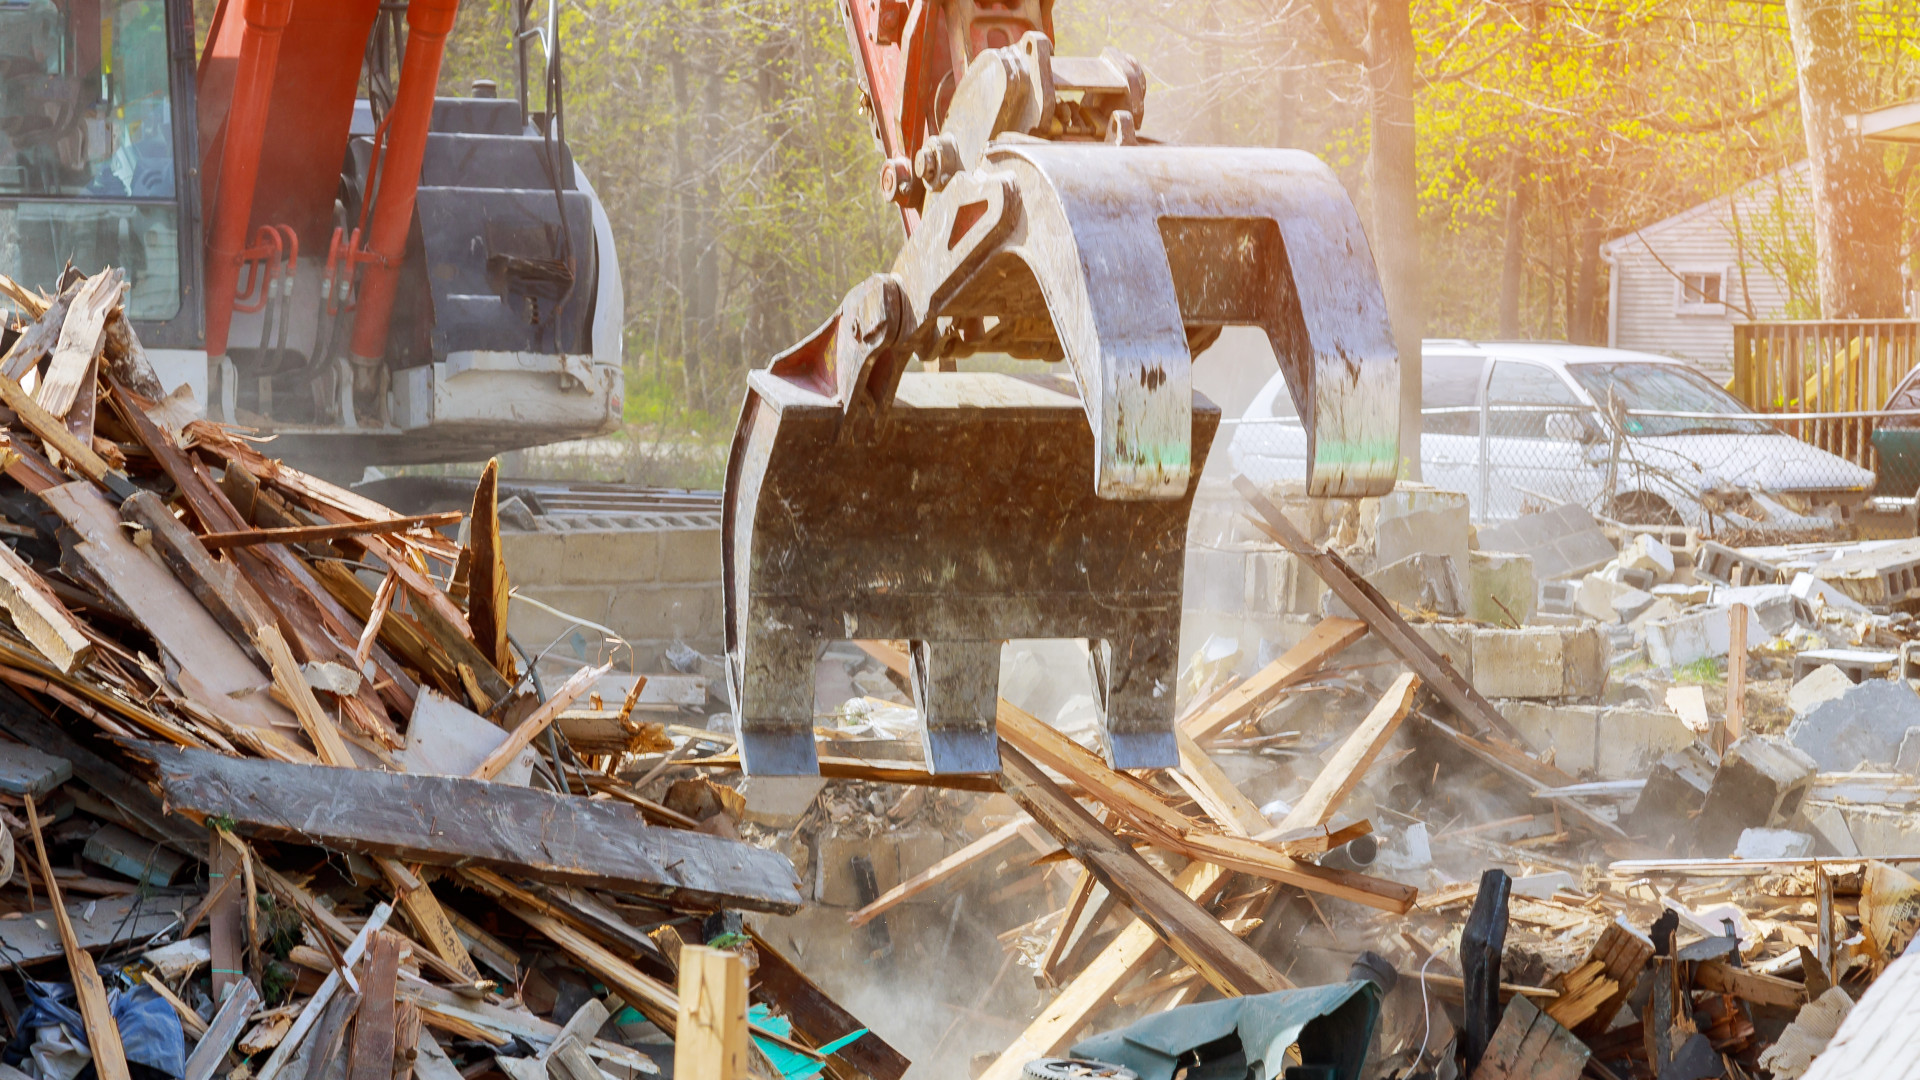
(972, 519)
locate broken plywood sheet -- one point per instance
(186, 632)
(445, 738)
(34, 937)
(448, 821)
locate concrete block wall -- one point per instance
(654, 579)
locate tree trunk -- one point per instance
(1396, 219)
(1513, 260)
(1855, 219)
(1588, 327)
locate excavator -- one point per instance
(318, 245)
(890, 479)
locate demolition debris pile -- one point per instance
(290, 804)
(1545, 799)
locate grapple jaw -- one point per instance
(957, 510)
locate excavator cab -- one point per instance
(878, 490)
(318, 244)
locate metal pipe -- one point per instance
(428, 24)
(246, 133)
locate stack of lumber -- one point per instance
(271, 755)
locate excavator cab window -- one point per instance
(87, 144)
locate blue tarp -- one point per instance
(149, 1028)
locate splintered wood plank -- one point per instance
(652, 998)
(320, 728)
(1723, 978)
(1616, 959)
(1322, 643)
(945, 870)
(80, 341)
(40, 615)
(1529, 1045)
(1195, 936)
(487, 572)
(452, 821)
(710, 1042)
(184, 629)
(316, 1005)
(1349, 764)
(53, 432)
(1215, 791)
(423, 909)
(219, 586)
(307, 534)
(372, 1055)
(524, 733)
(103, 1035)
(222, 1031)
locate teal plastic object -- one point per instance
(792, 1064)
(1333, 1025)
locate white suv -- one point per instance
(1635, 437)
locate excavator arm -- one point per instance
(958, 509)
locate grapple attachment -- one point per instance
(958, 509)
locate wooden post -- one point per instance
(1736, 720)
(710, 1040)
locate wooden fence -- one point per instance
(1825, 366)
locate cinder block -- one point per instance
(1450, 640)
(1633, 741)
(1569, 732)
(1500, 587)
(1415, 519)
(610, 556)
(689, 555)
(1761, 781)
(1676, 788)
(1277, 583)
(641, 611)
(533, 558)
(1539, 662)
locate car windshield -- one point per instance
(1665, 388)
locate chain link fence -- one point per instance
(1737, 477)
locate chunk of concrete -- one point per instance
(1761, 781)
(1423, 582)
(1601, 597)
(1829, 828)
(1813, 599)
(1619, 743)
(1773, 844)
(1543, 886)
(779, 802)
(1500, 587)
(1416, 519)
(1644, 552)
(1863, 724)
(1908, 760)
(1816, 688)
(1771, 605)
(1699, 634)
(1564, 542)
(1676, 789)
(1540, 662)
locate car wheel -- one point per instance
(1643, 508)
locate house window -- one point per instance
(1699, 292)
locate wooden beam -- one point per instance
(373, 1032)
(40, 615)
(487, 588)
(942, 871)
(1349, 764)
(1297, 664)
(1215, 791)
(223, 1031)
(307, 534)
(1197, 937)
(57, 438)
(710, 1040)
(454, 821)
(1751, 986)
(654, 999)
(292, 684)
(527, 730)
(80, 340)
(1365, 601)
(103, 1035)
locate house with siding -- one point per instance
(1676, 287)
